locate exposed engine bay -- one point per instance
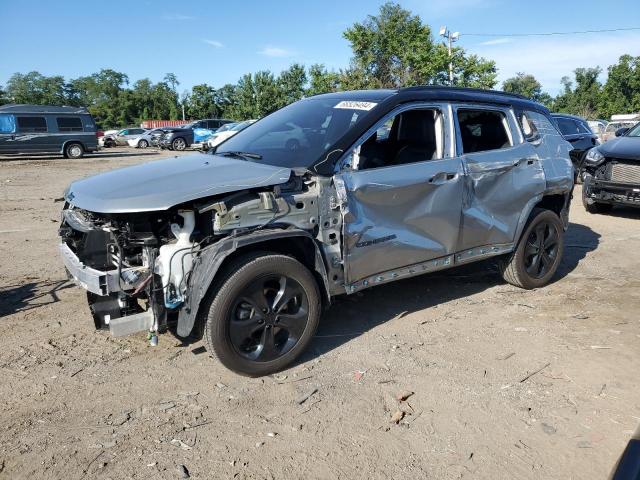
(137, 267)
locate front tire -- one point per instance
(178, 144)
(536, 258)
(263, 315)
(73, 150)
(143, 144)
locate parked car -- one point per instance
(577, 132)
(227, 131)
(144, 140)
(613, 127)
(247, 245)
(107, 140)
(612, 173)
(598, 127)
(179, 138)
(69, 131)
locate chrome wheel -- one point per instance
(179, 144)
(143, 144)
(268, 318)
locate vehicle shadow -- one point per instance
(21, 298)
(354, 315)
(624, 212)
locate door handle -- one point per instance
(442, 177)
(529, 161)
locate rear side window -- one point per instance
(7, 123)
(69, 124)
(32, 124)
(483, 130)
(568, 126)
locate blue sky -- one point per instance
(215, 42)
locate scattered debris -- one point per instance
(120, 419)
(272, 434)
(164, 406)
(76, 372)
(548, 429)
(389, 380)
(221, 385)
(152, 464)
(403, 395)
(183, 472)
(279, 378)
(507, 356)
(397, 416)
(259, 444)
(520, 329)
(525, 305)
(601, 394)
(179, 443)
(358, 374)
(535, 372)
(306, 396)
(600, 347)
(584, 444)
(581, 316)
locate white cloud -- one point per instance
(178, 17)
(551, 58)
(497, 41)
(213, 43)
(271, 51)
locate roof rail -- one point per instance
(466, 89)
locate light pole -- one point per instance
(451, 37)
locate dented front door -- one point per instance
(401, 215)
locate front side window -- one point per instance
(7, 123)
(32, 124)
(298, 135)
(634, 132)
(408, 137)
(482, 130)
(69, 124)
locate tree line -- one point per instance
(391, 49)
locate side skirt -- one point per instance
(441, 263)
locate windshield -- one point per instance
(299, 134)
(635, 131)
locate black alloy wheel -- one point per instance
(268, 318)
(541, 249)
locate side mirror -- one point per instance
(621, 131)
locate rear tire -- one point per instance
(262, 313)
(538, 253)
(73, 150)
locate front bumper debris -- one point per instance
(604, 191)
(96, 281)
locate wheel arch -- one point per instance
(66, 143)
(558, 202)
(213, 259)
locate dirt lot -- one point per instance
(80, 404)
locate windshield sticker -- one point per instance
(352, 105)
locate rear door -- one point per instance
(503, 174)
(401, 195)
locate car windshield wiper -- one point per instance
(241, 154)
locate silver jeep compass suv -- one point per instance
(328, 196)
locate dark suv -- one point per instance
(577, 132)
(179, 138)
(612, 172)
(69, 131)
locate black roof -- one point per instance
(438, 93)
(21, 108)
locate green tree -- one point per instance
(527, 85)
(621, 91)
(256, 95)
(396, 49)
(584, 98)
(291, 84)
(202, 102)
(321, 80)
(37, 89)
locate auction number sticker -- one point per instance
(352, 105)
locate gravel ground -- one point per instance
(506, 383)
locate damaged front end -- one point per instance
(148, 271)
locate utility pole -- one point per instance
(451, 37)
